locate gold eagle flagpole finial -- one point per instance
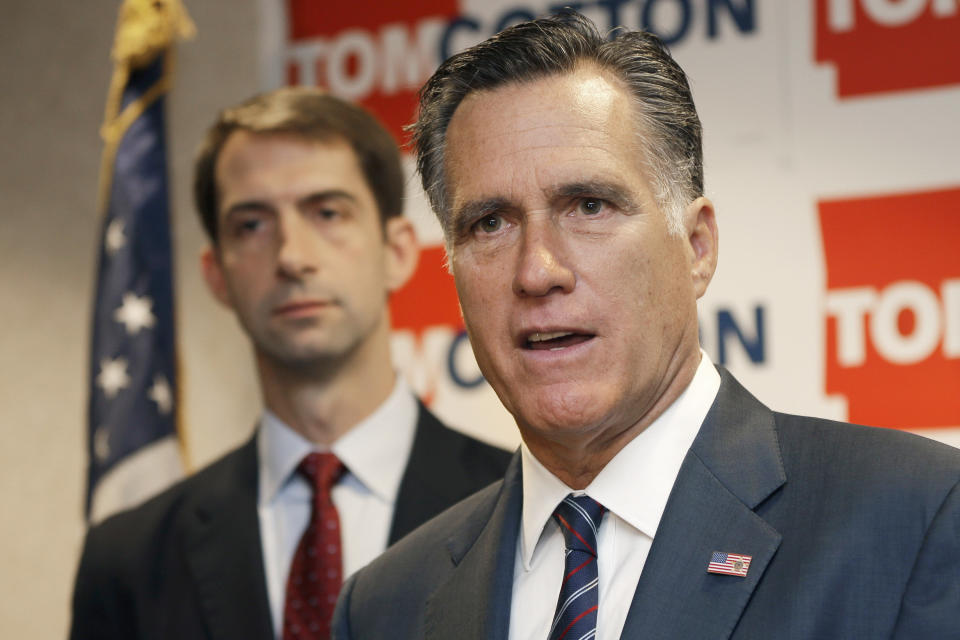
(145, 30)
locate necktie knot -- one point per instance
(322, 470)
(579, 519)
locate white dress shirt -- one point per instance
(634, 487)
(375, 453)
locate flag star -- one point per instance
(101, 443)
(115, 238)
(134, 313)
(113, 376)
(160, 393)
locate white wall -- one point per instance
(54, 71)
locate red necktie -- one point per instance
(316, 572)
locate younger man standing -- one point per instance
(301, 195)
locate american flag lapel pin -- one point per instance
(729, 564)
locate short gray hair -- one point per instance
(668, 126)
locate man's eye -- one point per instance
(591, 206)
(249, 225)
(489, 224)
(325, 213)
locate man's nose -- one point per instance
(542, 266)
(296, 251)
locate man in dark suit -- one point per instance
(301, 195)
(653, 497)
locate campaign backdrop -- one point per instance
(830, 132)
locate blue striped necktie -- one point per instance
(576, 617)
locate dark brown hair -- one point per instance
(312, 114)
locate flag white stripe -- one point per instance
(137, 477)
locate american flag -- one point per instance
(730, 564)
(132, 439)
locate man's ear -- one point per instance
(403, 252)
(213, 275)
(700, 225)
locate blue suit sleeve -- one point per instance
(340, 629)
(95, 601)
(931, 604)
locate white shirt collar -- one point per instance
(636, 483)
(375, 451)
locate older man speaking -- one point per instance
(653, 496)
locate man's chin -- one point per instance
(573, 415)
(302, 357)
(558, 423)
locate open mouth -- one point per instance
(555, 340)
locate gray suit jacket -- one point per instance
(188, 564)
(854, 533)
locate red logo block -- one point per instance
(893, 307)
(429, 299)
(881, 46)
(374, 53)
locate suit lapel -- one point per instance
(433, 478)
(444, 467)
(474, 604)
(224, 553)
(732, 466)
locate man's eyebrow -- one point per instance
(327, 194)
(247, 206)
(617, 195)
(612, 192)
(254, 205)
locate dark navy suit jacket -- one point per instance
(188, 564)
(854, 534)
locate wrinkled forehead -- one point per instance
(574, 126)
(587, 93)
(580, 103)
